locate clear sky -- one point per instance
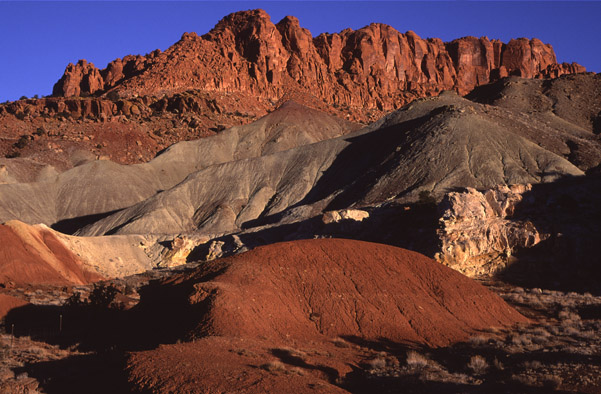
(38, 39)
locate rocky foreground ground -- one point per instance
(558, 353)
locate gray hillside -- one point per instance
(434, 145)
(562, 115)
(89, 191)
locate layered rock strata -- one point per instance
(373, 68)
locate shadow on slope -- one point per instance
(367, 159)
(409, 226)
(568, 211)
(70, 226)
(397, 368)
(97, 373)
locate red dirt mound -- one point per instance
(33, 255)
(9, 302)
(333, 287)
(305, 294)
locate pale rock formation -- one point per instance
(476, 233)
(180, 248)
(356, 215)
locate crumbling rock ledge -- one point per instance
(477, 235)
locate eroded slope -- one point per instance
(290, 301)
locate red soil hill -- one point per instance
(33, 255)
(8, 302)
(305, 294)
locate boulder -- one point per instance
(477, 235)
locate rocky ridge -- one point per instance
(245, 67)
(375, 67)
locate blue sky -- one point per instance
(38, 39)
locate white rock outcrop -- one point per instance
(477, 236)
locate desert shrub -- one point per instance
(478, 340)
(23, 98)
(377, 363)
(22, 142)
(478, 365)
(416, 360)
(103, 295)
(273, 366)
(20, 115)
(75, 301)
(520, 340)
(39, 131)
(541, 331)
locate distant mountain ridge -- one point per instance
(243, 69)
(374, 68)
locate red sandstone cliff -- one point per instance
(375, 67)
(241, 70)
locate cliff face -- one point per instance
(373, 68)
(539, 235)
(477, 234)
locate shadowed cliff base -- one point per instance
(569, 258)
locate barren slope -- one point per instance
(289, 301)
(34, 255)
(433, 145)
(95, 188)
(565, 113)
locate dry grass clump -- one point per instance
(296, 371)
(341, 343)
(534, 364)
(244, 352)
(588, 334)
(479, 340)
(541, 332)
(274, 366)
(520, 340)
(526, 380)
(478, 365)
(416, 360)
(377, 363)
(498, 365)
(569, 317)
(552, 382)
(569, 330)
